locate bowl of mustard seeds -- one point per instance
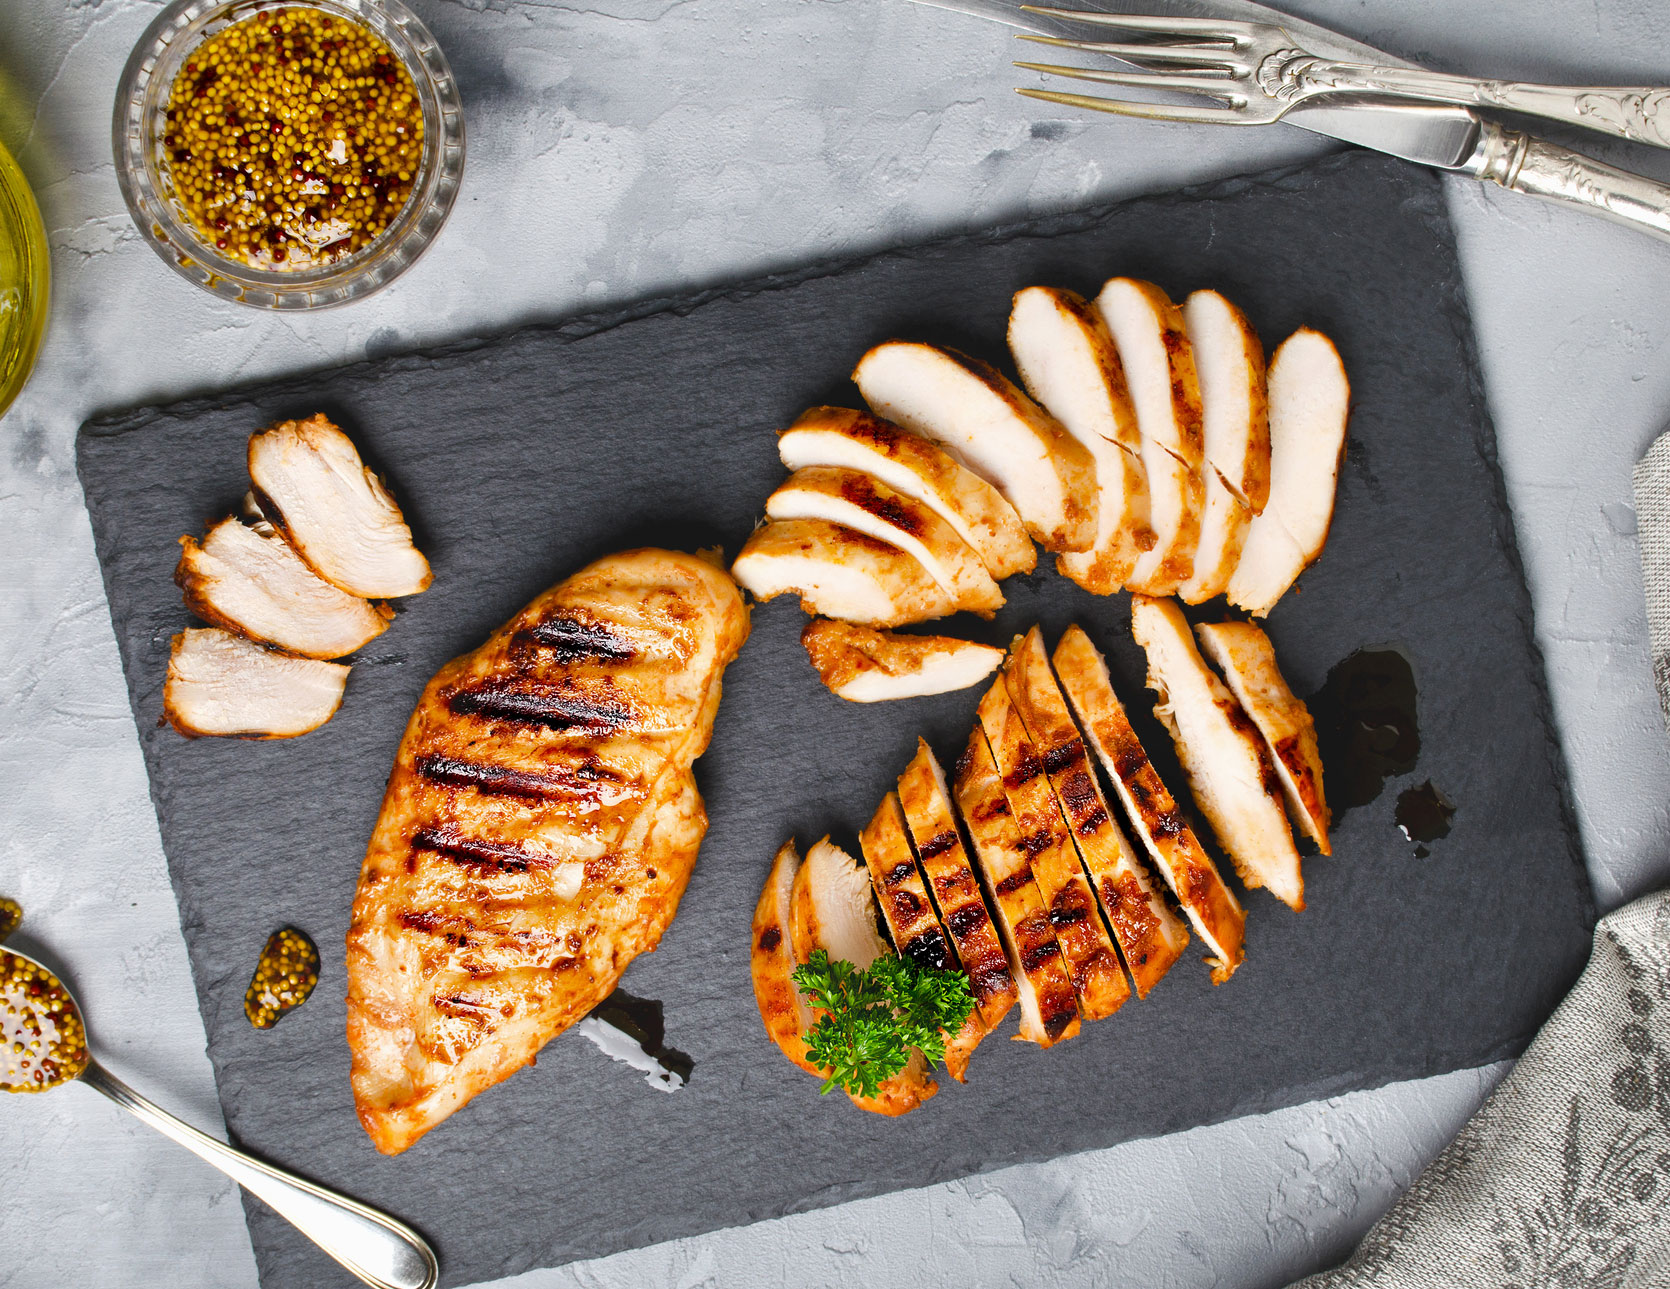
(288, 156)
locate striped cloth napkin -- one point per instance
(1563, 1177)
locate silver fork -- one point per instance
(1258, 73)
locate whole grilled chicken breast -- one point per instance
(539, 828)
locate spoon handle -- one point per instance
(375, 1247)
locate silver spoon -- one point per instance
(43, 1044)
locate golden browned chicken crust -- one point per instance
(539, 828)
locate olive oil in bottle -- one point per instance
(23, 280)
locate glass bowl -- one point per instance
(143, 175)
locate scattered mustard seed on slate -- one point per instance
(42, 1042)
(11, 914)
(292, 138)
(284, 977)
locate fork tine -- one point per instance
(1198, 59)
(1147, 111)
(1212, 86)
(1222, 29)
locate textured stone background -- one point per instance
(639, 146)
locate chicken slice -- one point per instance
(1049, 1009)
(1150, 935)
(1068, 362)
(1235, 413)
(1247, 659)
(839, 573)
(834, 910)
(249, 580)
(222, 684)
(1310, 401)
(312, 486)
(1224, 524)
(866, 505)
(1092, 961)
(911, 920)
(771, 962)
(908, 463)
(1231, 775)
(863, 665)
(994, 429)
(938, 842)
(1176, 502)
(1211, 907)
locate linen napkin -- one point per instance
(1563, 1177)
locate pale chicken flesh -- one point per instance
(840, 573)
(908, 463)
(220, 684)
(312, 486)
(1230, 773)
(539, 827)
(864, 665)
(249, 580)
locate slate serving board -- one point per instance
(520, 458)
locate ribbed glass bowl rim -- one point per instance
(143, 94)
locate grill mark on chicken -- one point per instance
(930, 949)
(1058, 758)
(1012, 883)
(471, 852)
(571, 638)
(1068, 909)
(1027, 768)
(770, 938)
(1127, 908)
(937, 845)
(1083, 802)
(1036, 843)
(860, 490)
(900, 873)
(584, 781)
(967, 919)
(438, 924)
(560, 706)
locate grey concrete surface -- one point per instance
(625, 147)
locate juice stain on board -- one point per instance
(1369, 732)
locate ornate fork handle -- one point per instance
(1641, 114)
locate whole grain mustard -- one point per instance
(292, 138)
(285, 975)
(42, 1042)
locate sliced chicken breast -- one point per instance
(312, 486)
(1235, 414)
(222, 684)
(1224, 524)
(1149, 934)
(834, 910)
(1049, 1008)
(863, 665)
(1310, 401)
(908, 463)
(909, 912)
(1177, 501)
(1231, 775)
(1247, 659)
(864, 504)
(1068, 362)
(1211, 907)
(994, 429)
(839, 573)
(771, 962)
(249, 580)
(1092, 961)
(938, 843)
(1159, 363)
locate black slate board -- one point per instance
(519, 459)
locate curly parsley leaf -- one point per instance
(871, 1017)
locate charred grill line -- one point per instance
(937, 846)
(572, 639)
(583, 781)
(470, 852)
(561, 707)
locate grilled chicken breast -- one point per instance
(839, 573)
(863, 665)
(1149, 934)
(997, 431)
(1207, 902)
(869, 506)
(909, 913)
(222, 684)
(938, 842)
(1230, 773)
(539, 828)
(249, 580)
(1049, 1007)
(908, 463)
(1247, 659)
(312, 486)
(771, 961)
(1092, 961)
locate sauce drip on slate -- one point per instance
(1366, 725)
(284, 977)
(42, 1041)
(1424, 815)
(641, 1021)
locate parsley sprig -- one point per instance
(873, 1016)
